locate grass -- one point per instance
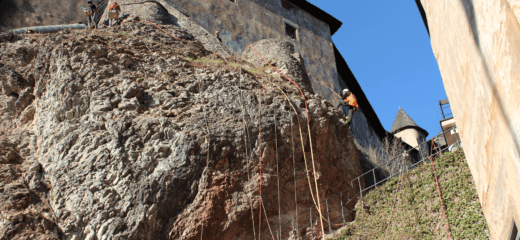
(259, 71)
(204, 60)
(414, 212)
(232, 64)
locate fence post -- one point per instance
(360, 190)
(459, 142)
(328, 215)
(421, 153)
(375, 181)
(342, 214)
(312, 234)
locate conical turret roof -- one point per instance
(403, 121)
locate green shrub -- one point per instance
(414, 212)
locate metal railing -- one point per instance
(336, 205)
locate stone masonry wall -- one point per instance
(476, 43)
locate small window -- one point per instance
(290, 31)
(233, 1)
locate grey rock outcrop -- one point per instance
(142, 143)
(280, 54)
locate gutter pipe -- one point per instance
(48, 29)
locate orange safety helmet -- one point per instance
(114, 6)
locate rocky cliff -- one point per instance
(129, 133)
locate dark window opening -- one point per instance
(287, 5)
(233, 1)
(514, 233)
(290, 30)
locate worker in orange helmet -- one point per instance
(350, 101)
(113, 13)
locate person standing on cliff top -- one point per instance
(350, 101)
(91, 14)
(113, 13)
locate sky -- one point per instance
(386, 45)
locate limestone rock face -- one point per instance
(476, 43)
(149, 11)
(24, 212)
(141, 142)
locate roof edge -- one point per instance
(423, 15)
(415, 127)
(317, 12)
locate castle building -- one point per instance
(406, 129)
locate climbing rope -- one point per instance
(260, 165)
(207, 171)
(310, 141)
(266, 218)
(262, 206)
(303, 148)
(246, 142)
(277, 178)
(294, 176)
(439, 191)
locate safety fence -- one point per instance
(305, 224)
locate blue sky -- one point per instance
(388, 49)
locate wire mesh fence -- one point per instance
(339, 207)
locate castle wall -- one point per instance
(247, 21)
(410, 136)
(477, 46)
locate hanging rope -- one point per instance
(310, 140)
(266, 218)
(207, 172)
(301, 138)
(260, 164)
(294, 176)
(246, 142)
(278, 178)
(303, 149)
(439, 191)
